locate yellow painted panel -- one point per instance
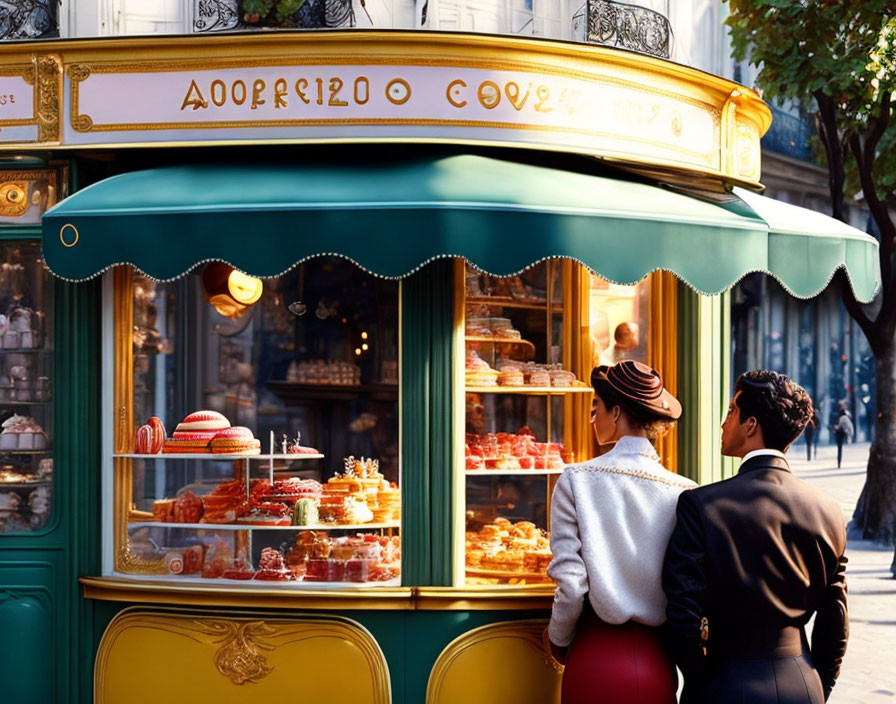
(503, 663)
(147, 657)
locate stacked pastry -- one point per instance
(508, 451)
(508, 547)
(201, 432)
(478, 372)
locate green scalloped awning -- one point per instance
(391, 218)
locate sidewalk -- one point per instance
(869, 673)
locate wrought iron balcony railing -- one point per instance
(28, 19)
(215, 15)
(628, 27)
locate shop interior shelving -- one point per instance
(530, 390)
(292, 392)
(254, 527)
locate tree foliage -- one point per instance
(837, 59)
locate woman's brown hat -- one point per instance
(636, 387)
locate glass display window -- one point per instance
(26, 371)
(261, 444)
(530, 344)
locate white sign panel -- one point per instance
(17, 121)
(496, 105)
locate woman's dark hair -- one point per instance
(781, 407)
(653, 426)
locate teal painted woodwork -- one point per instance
(427, 327)
(26, 641)
(391, 217)
(704, 371)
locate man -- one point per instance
(751, 559)
(626, 338)
(843, 431)
(809, 435)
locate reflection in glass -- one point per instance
(26, 366)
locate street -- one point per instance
(868, 675)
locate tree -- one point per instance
(837, 59)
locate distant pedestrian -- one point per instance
(809, 434)
(843, 431)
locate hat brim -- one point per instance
(663, 407)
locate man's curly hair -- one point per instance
(780, 406)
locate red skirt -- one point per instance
(624, 664)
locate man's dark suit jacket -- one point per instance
(750, 560)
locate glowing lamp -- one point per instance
(228, 290)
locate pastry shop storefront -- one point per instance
(296, 338)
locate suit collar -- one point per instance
(764, 462)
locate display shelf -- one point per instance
(24, 403)
(512, 472)
(291, 392)
(211, 456)
(504, 574)
(523, 347)
(46, 451)
(172, 580)
(512, 303)
(251, 526)
(25, 485)
(530, 390)
(25, 350)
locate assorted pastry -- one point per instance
(359, 495)
(509, 451)
(310, 557)
(324, 372)
(510, 372)
(492, 328)
(22, 433)
(514, 548)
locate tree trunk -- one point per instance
(878, 512)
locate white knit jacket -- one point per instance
(611, 519)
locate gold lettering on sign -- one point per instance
(257, 88)
(489, 95)
(453, 93)
(219, 92)
(398, 91)
(301, 87)
(512, 91)
(336, 86)
(194, 98)
(242, 89)
(362, 81)
(544, 94)
(280, 89)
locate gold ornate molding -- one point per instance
(263, 648)
(678, 117)
(508, 662)
(241, 657)
(122, 589)
(48, 69)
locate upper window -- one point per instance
(26, 371)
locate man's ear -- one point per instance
(752, 426)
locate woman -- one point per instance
(611, 518)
